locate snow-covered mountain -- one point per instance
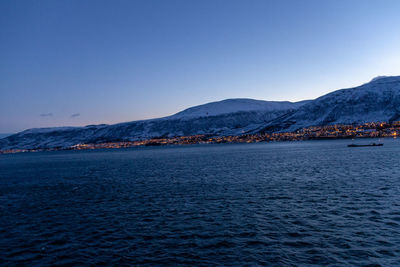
(235, 105)
(378, 100)
(227, 117)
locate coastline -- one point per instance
(330, 132)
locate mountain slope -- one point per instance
(228, 117)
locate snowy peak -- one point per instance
(381, 85)
(235, 105)
(385, 79)
(378, 78)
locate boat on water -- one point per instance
(361, 145)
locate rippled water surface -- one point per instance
(257, 204)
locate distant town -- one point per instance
(366, 130)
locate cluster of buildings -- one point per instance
(366, 130)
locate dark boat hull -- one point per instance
(354, 145)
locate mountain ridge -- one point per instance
(377, 100)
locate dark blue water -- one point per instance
(257, 204)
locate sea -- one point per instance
(264, 204)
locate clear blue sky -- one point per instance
(85, 62)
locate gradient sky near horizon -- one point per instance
(79, 62)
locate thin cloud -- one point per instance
(46, 115)
(75, 115)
